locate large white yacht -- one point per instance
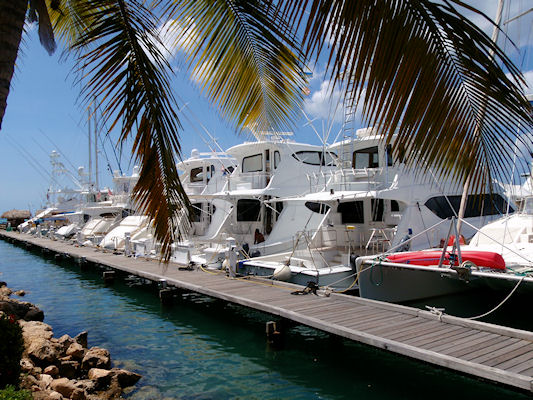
(266, 169)
(370, 204)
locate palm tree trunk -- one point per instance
(12, 14)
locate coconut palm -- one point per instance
(417, 66)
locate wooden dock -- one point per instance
(493, 352)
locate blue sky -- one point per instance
(44, 113)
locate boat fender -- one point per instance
(225, 264)
(282, 273)
(255, 253)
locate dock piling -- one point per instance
(109, 277)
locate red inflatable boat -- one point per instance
(486, 259)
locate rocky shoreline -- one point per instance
(65, 367)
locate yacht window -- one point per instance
(277, 159)
(230, 169)
(252, 163)
(329, 159)
(308, 157)
(248, 210)
(197, 175)
(476, 205)
(317, 207)
(365, 158)
(394, 206)
(315, 157)
(351, 212)
(377, 209)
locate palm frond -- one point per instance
(240, 54)
(423, 71)
(46, 33)
(127, 73)
(70, 18)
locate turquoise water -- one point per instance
(205, 349)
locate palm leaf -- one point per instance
(240, 56)
(70, 19)
(127, 73)
(428, 74)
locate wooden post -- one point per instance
(166, 296)
(109, 277)
(274, 337)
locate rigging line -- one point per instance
(108, 137)
(41, 147)
(32, 161)
(186, 105)
(58, 149)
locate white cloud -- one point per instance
(325, 103)
(174, 38)
(528, 75)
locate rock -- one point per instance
(42, 351)
(126, 378)
(31, 329)
(75, 350)
(5, 292)
(20, 293)
(26, 365)
(69, 369)
(96, 357)
(14, 307)
(28, 381)
(63, 386)
(81, 338)
(113, 391)
(101, 377)
(65, 341)
(34, 314)
(53, 395)
(78, 394)
(51, 370)
(36, 371)
(86, 385)
(46, 395)
(45, 380)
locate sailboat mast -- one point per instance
(466, 187)
(96, 153)
(90, 145)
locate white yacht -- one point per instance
(269, 168)
(370, 204)
(101, 211)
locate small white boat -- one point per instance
(134, 226)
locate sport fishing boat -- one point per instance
(269, 168)
(370, 204)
